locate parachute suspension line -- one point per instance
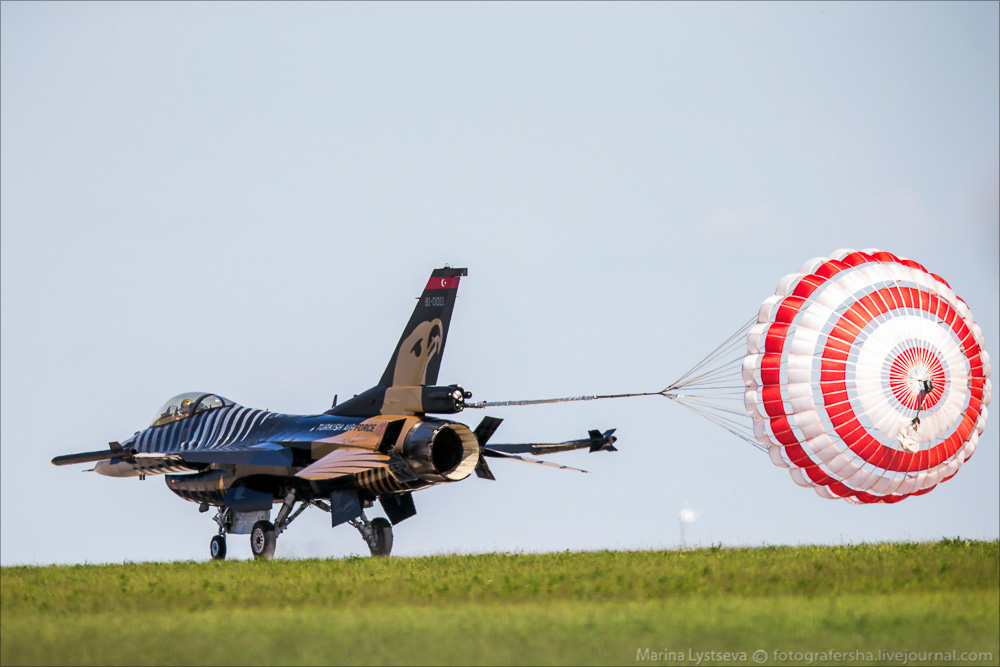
(714, 387)
(709, 366)
(737, 428)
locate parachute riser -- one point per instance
(568, 399)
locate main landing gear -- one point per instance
(377, 533)
(263, 538)
(263, 533)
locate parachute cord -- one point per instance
(541, 401)
(707, 374)
(712, 389)
(713, 356)
(739, 429)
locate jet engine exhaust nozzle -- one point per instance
(441, 451)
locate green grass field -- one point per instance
(884, 604)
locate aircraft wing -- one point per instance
(263, 454)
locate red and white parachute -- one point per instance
(866, 377)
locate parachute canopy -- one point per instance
(866, 377)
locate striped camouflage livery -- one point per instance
(212, 429)
(380, 482)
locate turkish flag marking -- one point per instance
(442, 283)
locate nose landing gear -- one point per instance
(218, 547)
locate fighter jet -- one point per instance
(381, 445)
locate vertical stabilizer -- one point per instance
(417, 357)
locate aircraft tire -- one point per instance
(383, 537)
(218, 548)
(263, 539)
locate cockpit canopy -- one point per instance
(183, 406)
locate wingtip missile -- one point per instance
(595, 442)
(114, 450)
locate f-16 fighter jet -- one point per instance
(382, 445)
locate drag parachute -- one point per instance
(866, 377)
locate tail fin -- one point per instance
(416, 360)
(417, 357)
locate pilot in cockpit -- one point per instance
(185, 409)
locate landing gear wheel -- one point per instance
(381, 543)
(218, 547)
(262, 539)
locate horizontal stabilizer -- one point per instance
(483, 433)
(341, 462)
(488, 451)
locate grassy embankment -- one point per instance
(563, 608)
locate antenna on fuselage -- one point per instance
(334, 401)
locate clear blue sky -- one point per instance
(247, 198)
